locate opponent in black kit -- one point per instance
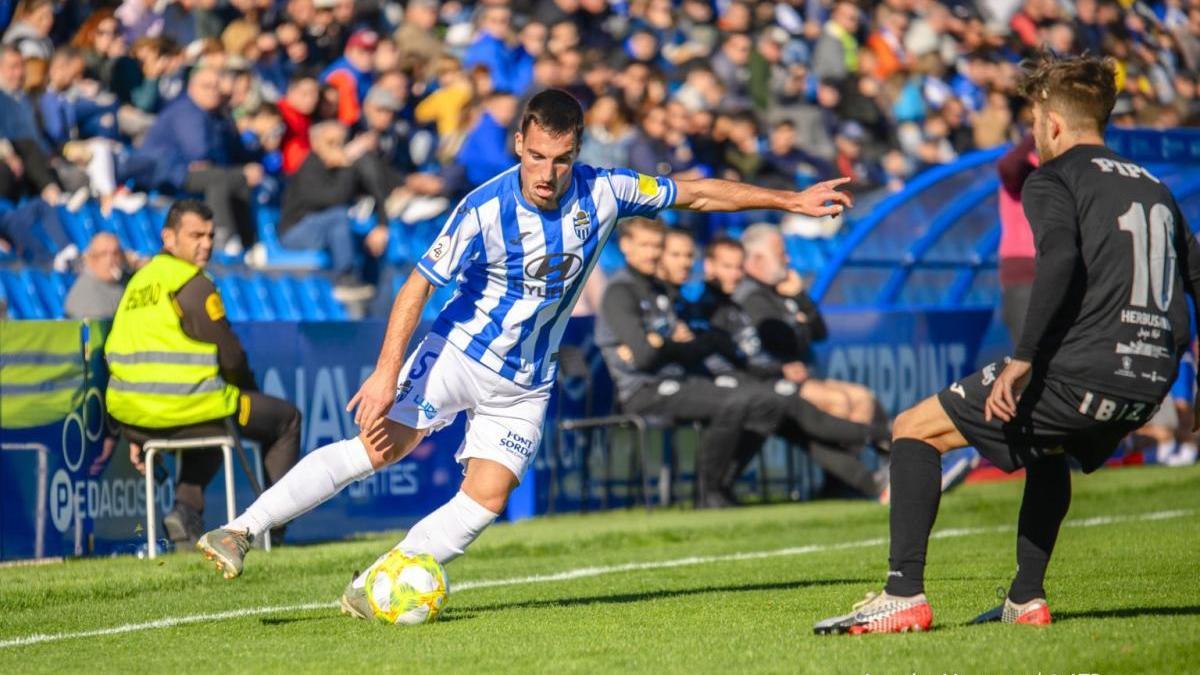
(1106, 326)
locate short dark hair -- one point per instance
(722, 240)
(1083, 89)
(555, 112)
(631, 225)
(183, 207)
(676, 232)
(300, 76)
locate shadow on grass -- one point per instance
(622, 598)
(287, 620)
(1128, 613)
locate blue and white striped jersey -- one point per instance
(519, 270)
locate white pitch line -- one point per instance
(579, 573)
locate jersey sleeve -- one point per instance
(456, 246)
(640, 195)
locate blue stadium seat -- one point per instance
(306, 297)
(287, 306)
(79, 227)
(51, 288)
(231, 296)
(322, 290)
(23, 300)
(256, 298)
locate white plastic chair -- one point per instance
(226, 443)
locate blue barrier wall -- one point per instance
(60, 494)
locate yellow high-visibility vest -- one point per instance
(160, 377)
(41, 372)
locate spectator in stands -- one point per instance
(785, 166)
(731, 67)
(446, 106)
(381, 110)
(316, 202)
(100, 40)
(353, 74)
(193, 147)
(492, 50)
(415, 37)
(97, 290)
(484, 151)
(185, 21)
(149, 88)
(172, 309)
(656, 150)
(30, 29)
(297, 109)
(865, 175)
(835, 55)
(25, 169)
(608, 135)
(789, 322)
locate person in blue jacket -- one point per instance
(193, 147)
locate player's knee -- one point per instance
(492, 501)
(907, 425)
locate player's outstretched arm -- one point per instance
(713, 194)
(377, 393)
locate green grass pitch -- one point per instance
(1123, 589)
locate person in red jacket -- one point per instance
(297, 108)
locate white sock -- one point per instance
(320, 475)
(445, 534)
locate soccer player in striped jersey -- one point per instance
(519, 249)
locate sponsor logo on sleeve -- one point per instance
(439, 248)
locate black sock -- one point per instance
(1043, 508)
(916, 492)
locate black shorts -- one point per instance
(1052, 417)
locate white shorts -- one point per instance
(504, 419)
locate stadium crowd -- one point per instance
(315, 106)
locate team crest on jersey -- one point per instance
(583, 225)
(1126, 367)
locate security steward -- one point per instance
(177, 370)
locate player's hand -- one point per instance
(374, 398)
(1006, 391)
(795, 372)
(823, 199)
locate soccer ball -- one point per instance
(407, 588)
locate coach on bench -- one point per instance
(178, 371)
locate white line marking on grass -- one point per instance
(161, 623)
(580, 573)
